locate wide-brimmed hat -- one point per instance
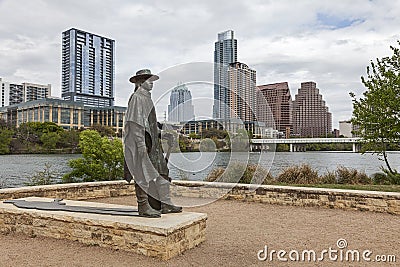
(143, 75)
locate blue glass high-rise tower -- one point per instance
(87, 68)
(180, 108)
(225, 53)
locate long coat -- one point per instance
(141, 129)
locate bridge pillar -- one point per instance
(297, 148)
(356, 147)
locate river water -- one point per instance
(15, 170)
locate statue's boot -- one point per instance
(165, 198)
(144, 208)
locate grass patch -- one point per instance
(302, 174)
(369, 187)
(305, 176)
(240, 173)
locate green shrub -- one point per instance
(269, 179)
(241, 173)
(255, 174)
(386, 178)
(302, 174)
(45, 177)
(328, 178)
(351, 176)
(394, 178)
(214, 174)
(103, 159)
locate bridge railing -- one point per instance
(306, 140)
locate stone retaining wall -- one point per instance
(283, 195)
(387, 202)
(73, 191)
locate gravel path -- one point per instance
(236, 231)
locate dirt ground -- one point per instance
(236, 232)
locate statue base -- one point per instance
(163, 238)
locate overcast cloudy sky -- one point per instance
(329, 42)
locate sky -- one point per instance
(329, 42)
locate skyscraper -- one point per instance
(180, 108)
(87, 68)
(225, 53)
(277, 97)
(311, 116)
(4, 93)
(12, 93)
(242, 92)
(35, 91)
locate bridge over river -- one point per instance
(299, 144)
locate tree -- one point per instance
(240, 141)
(50, 140)
(102, 160)
(211, 132)
(104, 130)
(5, 140)
(184, 143)
(377, 113)
(250, 134)
(3, 124)
(69, 139)
(207, 145)
(31, 132)
(194, 136)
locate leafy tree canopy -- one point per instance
(102, 159)
(377, 113)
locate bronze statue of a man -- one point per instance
(144, 159)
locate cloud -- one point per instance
(328, 42)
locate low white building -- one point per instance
(345, 128)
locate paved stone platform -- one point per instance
(162, 238)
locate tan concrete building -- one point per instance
(242, 92)
(279, 102)
(311, 116)
(67, 114)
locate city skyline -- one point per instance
(332, 45)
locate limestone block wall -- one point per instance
(387, 202)
(73, 191)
